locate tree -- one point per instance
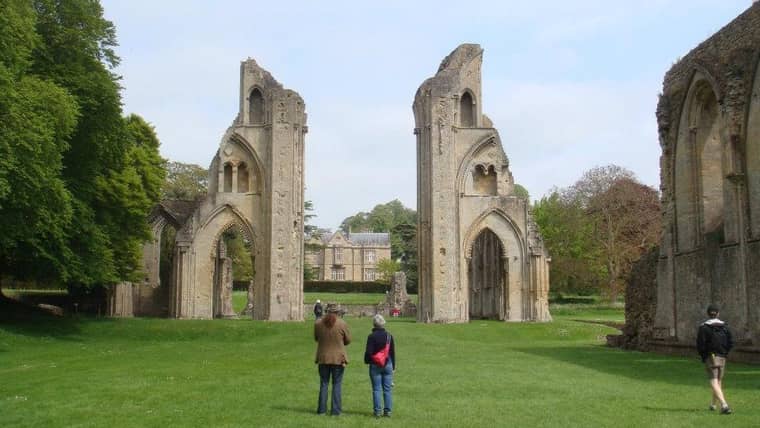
(386, 268)
(109, 168)
(627, 225)
(568, 236)
(310, 231)
(595, 229)
(521, 192)
(401, 222)
(184, 181)
(36, 119)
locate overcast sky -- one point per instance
(569, 84)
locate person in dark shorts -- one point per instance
(714, 342)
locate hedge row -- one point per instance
(330, 286)
(344, 287)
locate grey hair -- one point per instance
(378, 321)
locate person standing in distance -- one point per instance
(318, 310)
(332, 335)
(714, 342)
(381, 377)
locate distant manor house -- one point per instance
(353, 257)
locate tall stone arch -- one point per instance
(698, 165)
(512, 263)
(255, 182)
(464, 187)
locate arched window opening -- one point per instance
(227, 177)
(753, 156)
(487, 277)
(706, 131)
(466, 111)
(233, 265)
(256, 107)
(242, 180)
(698, 168)
(484, 180)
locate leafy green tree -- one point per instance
(596, 228)
(310, 231)
(568, 236)
(239, 250)
(36, 119)
(521, 192)
(386, 268)
(110, 166)
(184, 181)
(401, 222)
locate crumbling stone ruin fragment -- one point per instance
(480, 255)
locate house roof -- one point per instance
(367, 239)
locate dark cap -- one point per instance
(333, 307)
(713, 309)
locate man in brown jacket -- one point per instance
(332, 335)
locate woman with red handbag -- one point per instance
(380, 354)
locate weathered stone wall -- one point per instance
(709, 127)
(464, 189)
(256, 186)
(640, 302)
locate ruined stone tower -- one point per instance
(480, 255)
(255, 186)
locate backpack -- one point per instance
(719, 341)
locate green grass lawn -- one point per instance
(239, 298)
(165, 373)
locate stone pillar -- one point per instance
(120, 300)
(235, 177)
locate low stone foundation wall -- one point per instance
(740, 354)
(360, 311)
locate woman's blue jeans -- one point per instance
(382, 384)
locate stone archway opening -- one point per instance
(166, 268)
(487, 277)
(233, 270)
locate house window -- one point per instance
(315, 272)
(369, 256)
(370, 274)
(338, 256)
(338, 274)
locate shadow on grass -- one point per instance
(19, 318)
(310, 411)
(663, 409)
(645, 366)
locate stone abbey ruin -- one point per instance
(709, 127)
(480, 255)
(492, 264)
(255, 186)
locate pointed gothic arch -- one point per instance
(698, 175)
(256, 107)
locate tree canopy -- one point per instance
(77, 178)
(595, 229)
(184, 181)
(401, 222)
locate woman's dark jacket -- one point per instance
(376, 342)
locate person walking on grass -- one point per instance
(332, 335)
(381, 377)
(318, 310)
(714, 342)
